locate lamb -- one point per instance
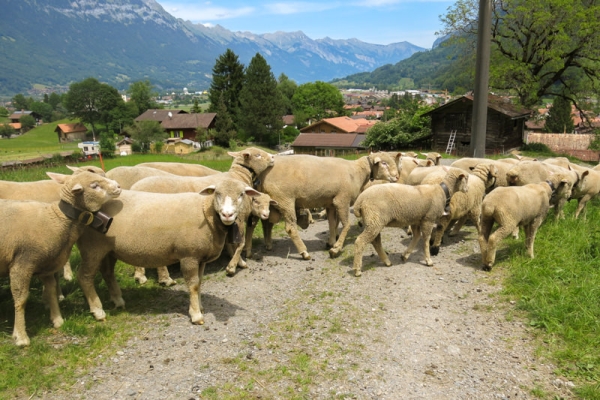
(181, 169)
(466, 205)
(145, 232)
(128, 176)
(433, 156)
(304, 181)
(514, 206)
(468, 163)
(246, 166)
(400, 205)
(536, 171)
(407, 164)
(24, 252)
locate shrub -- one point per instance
(537, 148)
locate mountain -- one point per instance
(57, 42)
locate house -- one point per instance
(16, 116)
(331, 136)
(70, 132)
(178, 123)
(123, 147)
(505, 124)
(179, 146)
(339, 125)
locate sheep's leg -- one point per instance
(192, 273)
(530, 232)
(268, 233)
(367, 236)
(85, 276)
(140, 275)
(581, 205)
(426, 230)
(67, 272)
(288, 213)
(236, 258)
(107, 269)
(163, 276)
(560, 214)
(380, 251)
(485, 229)
(416, 235)
(492, 245)
(248, 239)
(458, 224)
(59, 293)
(343, 213)
(51, 299)
(333, 225)
(20, 278)
(438, 234)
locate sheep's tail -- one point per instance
(356, 210)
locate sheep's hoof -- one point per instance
(305, 255)
(61, 297)
(434, 250)
(328, 246)
(387, 263)
(429, 263)
(357, 272)
(487, 268)
(119, 302)
(58, 322)
(100, 315)
(230, 271)
(198, 320)
(168, 282)
(22, 342)
(141, 279)
(334, 252)
(269, 247)
(404, 257)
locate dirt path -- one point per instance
(288, 328)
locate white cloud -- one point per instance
(298, 7)
(205, 12)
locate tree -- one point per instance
(224, 127)
(27, 122)
(91, 101)
(559, 118)
(146, 132)
(19, 102)
(54, 100)
(286, 88)
(227, 80)
(142, 95)
(196, 107)
(43, 109)
(400, 131)
(3, 112)
(539, 47)
(107, 145)
(261, 108)
(6, 131)
(318, 100)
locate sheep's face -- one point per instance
(383, 167)
(230, 198)
(261, 206)
(256, 159)
(86, 190)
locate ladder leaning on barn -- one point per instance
(451, 142)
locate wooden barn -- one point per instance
(505, 125)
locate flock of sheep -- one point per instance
(156, 214)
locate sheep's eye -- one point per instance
(384, 163)
(94, 185)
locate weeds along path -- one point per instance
(292, 329)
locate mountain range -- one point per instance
(57, 42)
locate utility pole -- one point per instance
(482, 78)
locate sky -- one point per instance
(371, 21)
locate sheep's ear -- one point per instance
(471, 168)
(462, 176)
(376, 160)
(59, 178)
(252, 192)
(445, 168)
(424, 154)
(246, 154)
(74, 169)
(273, 203)
(233, 153)
(415, 161)
(208, 190)
(77, 189)
(398, 156)
(585, 173)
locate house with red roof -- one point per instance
(70, 132)
(331, 136)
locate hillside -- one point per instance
(57, 42)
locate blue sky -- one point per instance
(372, 21)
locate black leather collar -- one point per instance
(551, 185)
(98, 220)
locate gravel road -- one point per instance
(288, 328)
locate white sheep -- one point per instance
(245, 167)
(128, 176)
(515, 206)
(435, 157)
(400, 205)
(407, 164)
(467, 205)
(468, 163)
(304, 181)
(182, 169)
(192, 230)
(37, 238)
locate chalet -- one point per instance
(16, 116)
(179, 146)
(70, 132)
(123, 147)
(158, 115)
(331, 136)
(505, 124)
(178, 123)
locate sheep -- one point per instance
(37, 238)
(407, 164)
(245, 167)
(192, 229)
(433, 156)
(127, 176)
(400, 205)
(526, 172)
(418, 174)
(514, 206)
(181, 169)
(468, 163)
(466, 205)
(305, 181)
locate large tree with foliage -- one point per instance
(20, 102)
(141, 94)
(539, 47)
(261, 108)
(227, 80)
(318, 100)
(43, 109)
(6, 131)
(559, 118)
(224, 130)
(286, 88)
(146, 132)
(398, 132)
(92, 101)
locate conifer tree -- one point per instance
(228, 78)
(261, 104)
(559, 117)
